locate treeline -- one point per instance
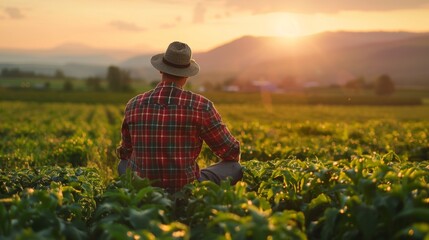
(18, 73)
(383, 85)
(223, 98)
(115, 79)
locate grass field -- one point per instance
(309, 97)
(56, 84)
(312, 171)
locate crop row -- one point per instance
(61, 134)
(372, 197)
(86, 135)
(342, 176)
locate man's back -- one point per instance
(166, 128)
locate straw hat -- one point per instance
(176, 61)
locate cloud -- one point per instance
(126, 26)
(13, 13)
(199, 13)
(174, 24)
(318, 6)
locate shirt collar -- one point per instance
(168, 84)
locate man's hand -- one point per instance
(122, 167)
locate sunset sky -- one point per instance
(149, 25)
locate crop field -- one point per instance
(310, 172)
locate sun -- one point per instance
(284, 25)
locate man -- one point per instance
(163, 129)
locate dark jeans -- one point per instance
(221, 171)
(215, 173)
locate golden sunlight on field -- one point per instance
(317, 113)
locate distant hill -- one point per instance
(325, 58)
(71, 70)
(247, 51)
(68, 53)
(73, 59)
(405, 60)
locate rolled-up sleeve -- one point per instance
(218, 137)
(125, 149)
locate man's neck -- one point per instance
(179, 81)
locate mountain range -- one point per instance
(325, 58)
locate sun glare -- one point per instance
(285, 25)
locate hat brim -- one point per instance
(190, 71)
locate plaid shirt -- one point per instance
(163, 131)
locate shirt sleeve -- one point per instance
(125, 149)
(218, 137)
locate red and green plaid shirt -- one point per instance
(163, 131)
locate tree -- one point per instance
(16, 72)
(94, 83)
(59, 74)
(114, 78)
(384, 85)
(68, 86)
(119, 80)
(125, 80)
(47, 85)
(356, 84)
